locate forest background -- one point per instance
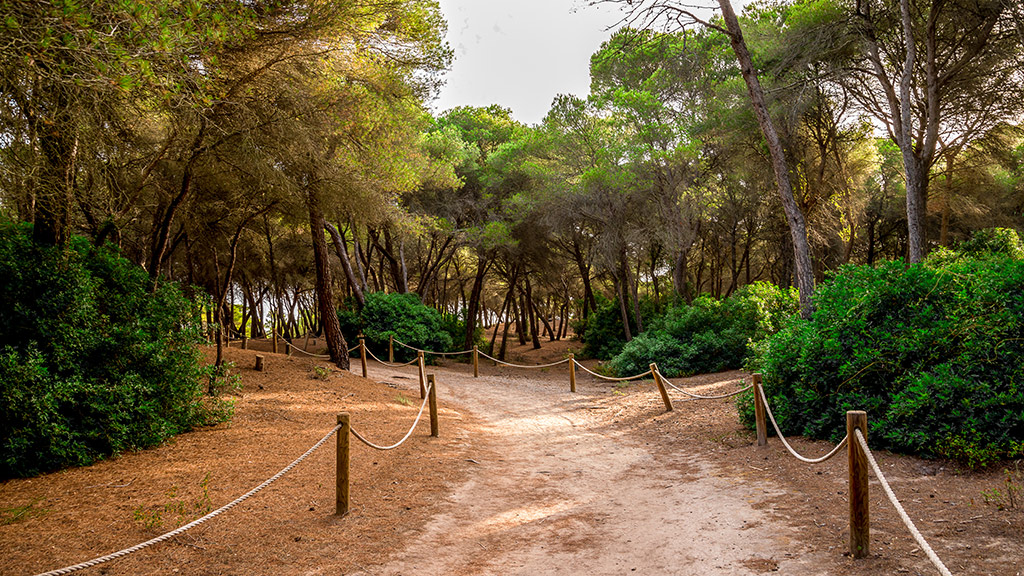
(278, 161)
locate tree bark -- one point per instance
(336, 346)
(795, 219)
(346, 265)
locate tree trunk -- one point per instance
(346, 265)
(532, 311)
(795, 219)
(483, 263)
(336, 346)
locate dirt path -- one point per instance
(558, 488)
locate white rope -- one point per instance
(562, 361)
(775, 425)
(303, 351)
(592, 373)
(211, 515)
(899, 508)
(389, 364)
(407, 434)
(698, 396)
(397, 341)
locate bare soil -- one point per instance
(525, 478)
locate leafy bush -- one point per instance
(91, 362)
(708, 335)
(932, 352)
(602, 333)
(403, 316)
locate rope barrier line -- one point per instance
(399, 342)
(407, 434)
(595, 374)
(389, 364)
(768, 410)
(698, 396)
(899, 508)
(194, 523)
(294, 347)
(489, 357)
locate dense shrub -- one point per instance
(602, 333)
(403, 316)
(932, 352)
(708, 335)
(91, 362)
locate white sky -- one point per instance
(521, 53)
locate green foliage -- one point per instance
(602, 333)
(403, 316)
(176, 510)
(709, 335)
(932, 352)
(91, 362)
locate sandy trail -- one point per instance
(558, 488)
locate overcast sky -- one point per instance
(521, 53)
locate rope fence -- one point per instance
(194, 523)
(859, 454)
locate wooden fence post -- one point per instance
(287, 347)
(476, 361)
(362, 353)
(423, 371)
(572, 372)
(433, 405)
(391, 348)
(260, 365)
(341, 476)
(661, 388)
(759, 413)
(860, 529)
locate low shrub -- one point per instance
(403, 316)
(91, 362)
(602, 333)
(708, 335)
(932, 352)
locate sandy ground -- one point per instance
(525, 478)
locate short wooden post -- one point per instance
(391, 348)
(341, 476)
(287, 347)
(423, 370)
(433, 405)
(259, 363)
(362, 354)
(860, 529)
(476, 362)
(661, 388)
(572, 372)
(759, 413)
(245, 341)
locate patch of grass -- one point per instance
(1009, 495)
(176, 510)
(401, 399)
(321, 372)
(15, 514)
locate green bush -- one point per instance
(91, 362)
(932, 352)
(708, 335)
(602, 333)
(403, 316)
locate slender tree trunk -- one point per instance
(532, 312)
(795, 219)
(336, 346)
(342, 250)
(483, 263)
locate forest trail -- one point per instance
(558, 487)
